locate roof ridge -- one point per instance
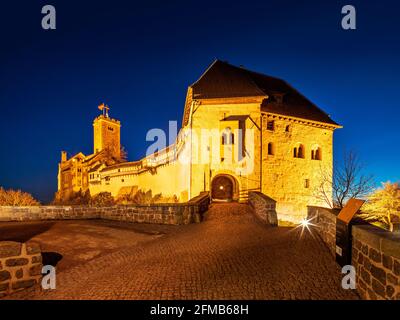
(307, 99)
(208, 68)
(228, 80)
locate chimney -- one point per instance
(63, 156)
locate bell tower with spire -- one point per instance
(106, 133)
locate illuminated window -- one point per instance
(316, 153)
(298, 152)
(227, 137)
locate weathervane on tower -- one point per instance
(103, 107)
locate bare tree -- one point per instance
(124, 154)
(346, 182)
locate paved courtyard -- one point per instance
(228, 256)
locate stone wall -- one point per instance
(179, 213)
(171, 213)
(324, 221)
(376, 257)
(293, 182)
(20, 266)
(264, 207)
(50, 213)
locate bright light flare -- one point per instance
(305, 224)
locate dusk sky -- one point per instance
(140, 57)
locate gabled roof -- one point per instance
(96, 167)
(223, 80)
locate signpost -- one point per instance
(343, 231)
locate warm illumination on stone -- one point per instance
(234, 139)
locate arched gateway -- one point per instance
(223, 188)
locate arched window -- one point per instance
(271, 149)
(316, 153)
(287, 128)
(298, 152)
(227, 137)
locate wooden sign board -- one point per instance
(350, 209)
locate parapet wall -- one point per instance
(324, 220)
(171, 213)
(376, 258)
(20, 266)
(264, 207)
(375, 254)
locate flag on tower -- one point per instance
(101, 106)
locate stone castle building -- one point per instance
(241, 131)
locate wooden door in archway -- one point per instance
(222, 188)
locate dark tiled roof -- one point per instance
(223, 80)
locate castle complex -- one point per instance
(241, 131)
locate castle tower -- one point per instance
(106, 133)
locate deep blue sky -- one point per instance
(139, 57)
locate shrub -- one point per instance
(16, 198)
(142, 197)
(77, 198)
(102, 199)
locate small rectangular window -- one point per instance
(306, 183)
(271, 125)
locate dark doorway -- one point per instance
(222, 188)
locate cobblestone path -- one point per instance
(228, 256)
